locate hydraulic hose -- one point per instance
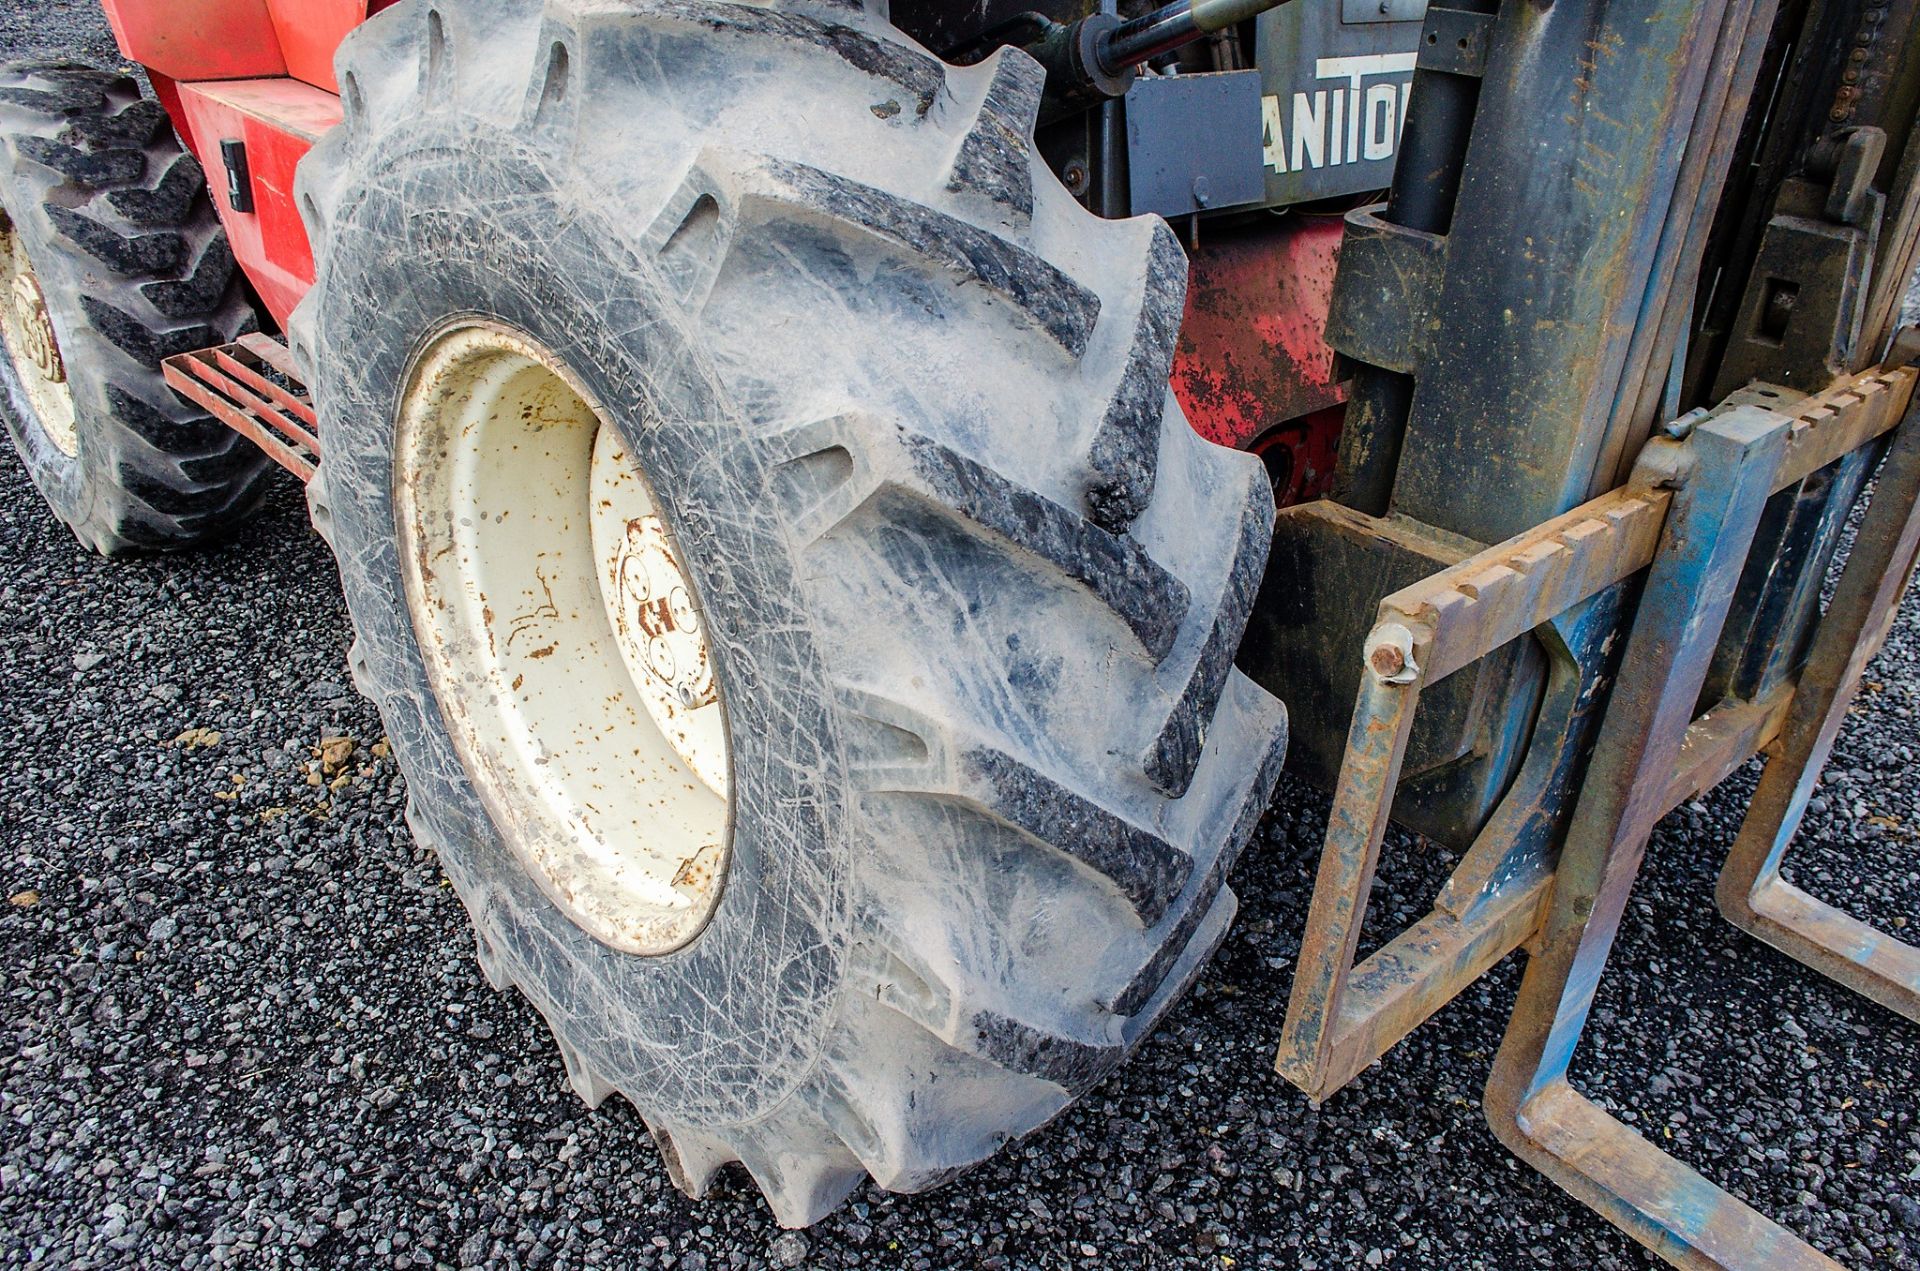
(1169, 27)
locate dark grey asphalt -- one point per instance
(243, 1026)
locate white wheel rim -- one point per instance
(563, 639)
(27, 330)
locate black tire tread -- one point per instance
(154, 276)
(1137, 839)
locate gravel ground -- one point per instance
(246, 1027)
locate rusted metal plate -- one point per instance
(1566, 244)
(1799, 321)
(1253, 353)
(250, 386)
(1326, 570)
(1383, 314)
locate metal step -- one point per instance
(251, 387)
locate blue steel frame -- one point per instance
(1752, 894)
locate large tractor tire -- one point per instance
(801, 611)
(111, 259)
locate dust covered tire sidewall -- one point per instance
(723, 1029)
(58, 476)
(991, 763)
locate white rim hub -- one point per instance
(563, 639)
(650, 607)
(27, 331)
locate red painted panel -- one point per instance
(168, 94)
(279, 120)
(1300, 455)
(310, 30)
(1253, 352)
(198, 39)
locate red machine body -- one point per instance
(259, 72)
(238, 39)
(1253, 370)
(278, 120)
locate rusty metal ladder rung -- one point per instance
(236, 384)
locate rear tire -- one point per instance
(973, 586)
(127, 265)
